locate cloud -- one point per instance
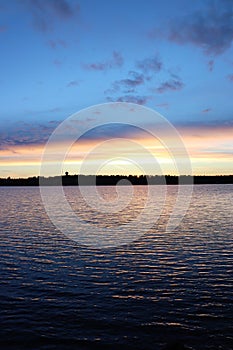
(57, 43)
(44, 13)
(129, 89)
(207, 110)
(73, 83)
(150, 65)
(127, 85)
(230, 77)
(211, 65)
(172, 84)
(210, 29)
(163, 105)
(57, 63)
(116, 61)
(141, 100)
(25, 134)
(216, 124)
(111, 130)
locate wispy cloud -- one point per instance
(211, 65)
(25, 134)
(116, 61)
(73, 83)
(163, 105)
(57, 43)
(210, 29)
(230, 77)
(173, 84)
(207, 110)
(111, 130)
(128, 84)
(44, 13)
(216, 124)
(150, 65)
(141, 100)
(129, 89)
(57, 62)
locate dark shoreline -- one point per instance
(113, 180)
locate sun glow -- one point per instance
(206, 147)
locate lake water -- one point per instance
(163, 291)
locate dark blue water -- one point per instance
(164, 291)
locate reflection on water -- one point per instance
(164, 289)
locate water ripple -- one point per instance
(162, 289)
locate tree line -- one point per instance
(112, 180)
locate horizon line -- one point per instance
(114, 175)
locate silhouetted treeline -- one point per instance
(112, 180)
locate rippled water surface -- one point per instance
(163, 291)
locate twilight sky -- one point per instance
(59, 56)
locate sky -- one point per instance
(61, 56)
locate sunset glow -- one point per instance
(60, 57)
(209, 149)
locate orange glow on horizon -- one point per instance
(210, 151)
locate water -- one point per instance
(164, 291)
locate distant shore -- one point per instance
(112, 180)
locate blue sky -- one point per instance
(59, 56)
